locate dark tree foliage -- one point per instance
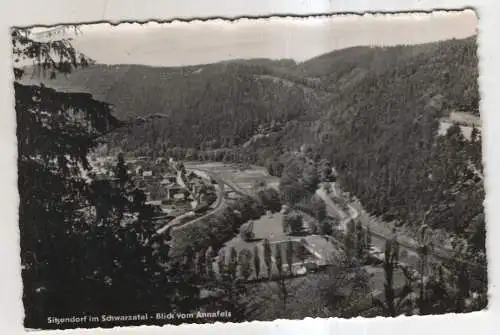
(246, 231)
(361, 247)
(390, 263)
(256, 261)
(227, 103)
(395, 302)
(386, 149)
(268, 257)
(318, 208)
(121, 171)
(49, 58)
(245, 258)
(75, 261)
(231, 296)
(293, 222)
(274, 167)
(284, 290)
(326, 227)
(350, 242)
(289, 255)
(310, 178)
(56, 131)
(233, 263)
(292, 192)
(270, 198)
(325, 170)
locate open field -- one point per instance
(317, 249)
(243, 178)
(270, 227)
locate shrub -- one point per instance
(246, 231)
(293, 221)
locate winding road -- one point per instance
(179, 220)
(333, 208)
(379, 238)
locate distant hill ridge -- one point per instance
(138, 90)
(222, 104)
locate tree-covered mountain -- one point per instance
(381, 133)
(219, 105)
(449, 66)
(223, 104)
(373, 111)
(379, 125)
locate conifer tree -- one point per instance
(289, 255)
(75, 262)
(55, 133)
(256, 261)
(281, 280)
(233, 263)
(121, 171)
(209, 256)
(268, 257)
(245, 262)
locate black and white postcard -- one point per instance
(249, 170)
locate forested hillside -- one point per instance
(379, 125)
(381, 135)
(222, 104)
(372, 111)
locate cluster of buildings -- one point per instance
(166, 183)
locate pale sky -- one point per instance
(180, 43)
